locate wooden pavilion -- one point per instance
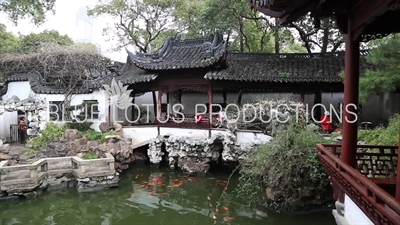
(205, 65)
(371, 180)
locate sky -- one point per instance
(64, 21)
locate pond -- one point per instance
(151, 196)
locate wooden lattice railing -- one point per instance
(377, 162)
(376, 203)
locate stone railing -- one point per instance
(30, 176)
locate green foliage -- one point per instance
(85, 126)
(32, 42)
(90, 155)
(30, 152)
(138, 22)
(27, 9)
(93, 135)
(86, 46)
(52, 131)
(382, 135)
(287, 164)
(8, 41)
(386, 58)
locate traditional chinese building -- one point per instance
(367, 185)
(205, 65)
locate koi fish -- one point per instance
(208, 198)
(226, 208)
(228, 218)
(216, 210)
(226, 188)
(214, 217)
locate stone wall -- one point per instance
(193, 155)
(35, 108)
(30, 180)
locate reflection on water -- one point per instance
(148, 196)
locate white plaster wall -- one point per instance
(353, 214)
(78, 99)
(22, 89)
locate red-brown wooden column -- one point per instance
(302, 98)
(398, 171)
(210, 102)
(351, 85)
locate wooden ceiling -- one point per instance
(368, 18)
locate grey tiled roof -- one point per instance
(38, 85)
(285, 67)
(182, 54)
(129, 74)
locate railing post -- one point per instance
(210, 111)
(33, 172)
(112, 167)
(82, 168)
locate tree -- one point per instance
(327, 38)
(248, 30)
(27, 9)
(8, 41)
(67, 66)
(386, 78)
(139, 22)
(31, 42)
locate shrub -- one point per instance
(51, 132)
(382, 135)
(90, 155)
(287, 164)
(79, 126)
(93, 135)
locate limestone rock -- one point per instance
(104, 127)
(71, 134)
(112, 138)
(118, 129)
(270, 194)
(5, 148)
(4, 157)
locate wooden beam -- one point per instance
(304, 9)
(239, 98)
(267, 12)
(155, 103)
(224, 95)
(210, 111)
(366, 11)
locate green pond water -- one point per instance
(150, 196)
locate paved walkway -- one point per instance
(17, 149)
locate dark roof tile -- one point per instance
(129, 74)
(291, 68)
(38, 85)
(182, 54)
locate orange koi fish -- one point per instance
(228, 218)
(226, 208)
